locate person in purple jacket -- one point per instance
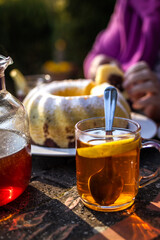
(132, 41)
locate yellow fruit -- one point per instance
(109, 148)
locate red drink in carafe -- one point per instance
(15, 165)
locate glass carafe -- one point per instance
(15, 149)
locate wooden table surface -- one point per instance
(50, 208)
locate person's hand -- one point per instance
(100, 60)
(143, 88)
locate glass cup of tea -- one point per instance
(107, 166)
(15, 147)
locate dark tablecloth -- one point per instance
(50, 207)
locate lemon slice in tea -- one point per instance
(109, 148)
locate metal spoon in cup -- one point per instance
(106, 185)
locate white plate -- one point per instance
(148, 126)
(47, 151)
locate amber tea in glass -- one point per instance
(107, 166)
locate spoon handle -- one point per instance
(110, 99)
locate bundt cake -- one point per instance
(56, 107)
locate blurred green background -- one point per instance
(36, 31)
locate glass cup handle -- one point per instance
(146, 180)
